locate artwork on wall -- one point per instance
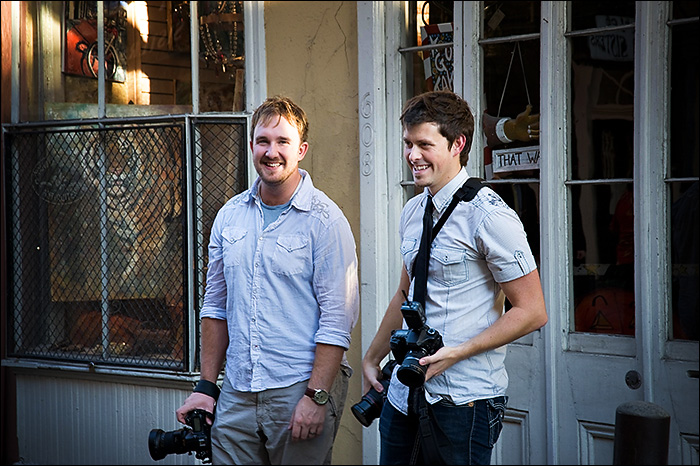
(80, 53)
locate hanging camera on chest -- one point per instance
(411, 344)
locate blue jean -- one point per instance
(465, 434)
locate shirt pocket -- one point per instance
(233, 245)
(449, 266)
(291, 255)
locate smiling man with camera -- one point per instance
(280, 304)
(447, 405)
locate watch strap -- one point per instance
(311, 393)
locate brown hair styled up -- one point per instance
(448, 111)
(277, 107)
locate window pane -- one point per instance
(602, 215)
(221, 52)
(511, 83)
(684, 164)
(511, 18)
(430, 23)
(588, 15)
(604, 277)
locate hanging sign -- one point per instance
(515, 159)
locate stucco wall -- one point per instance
(311, 50)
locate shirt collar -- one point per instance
(443, 197)
(301, 199)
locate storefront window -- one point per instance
(683, 182)
(147, 59)
(601, 180)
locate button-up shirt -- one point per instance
(482, 244)
(282, 289)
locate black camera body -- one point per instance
(370, 406)
(410, 345)
(196, 437)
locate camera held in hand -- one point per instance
(196, 437)
(370, 406)
(410, 345)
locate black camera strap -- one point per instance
(428, 441)
(466, 193)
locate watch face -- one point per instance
(321, 397)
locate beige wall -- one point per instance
(311, 52)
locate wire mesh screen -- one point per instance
(98, 240)
(220, 172)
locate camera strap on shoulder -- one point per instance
(464, 194)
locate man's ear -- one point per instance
(458, 145)
(303, 148)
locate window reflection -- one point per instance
(602, 214)
(684, 173)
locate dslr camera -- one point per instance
(196, 437)
(370, 406)
(409, 345)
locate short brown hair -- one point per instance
(448, 111)
(279, 106)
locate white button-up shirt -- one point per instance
(283, 289)
(482, 244)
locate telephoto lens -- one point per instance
(195, 438)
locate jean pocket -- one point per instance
(496, 413)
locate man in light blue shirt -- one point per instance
(281, 300)
(480, 257)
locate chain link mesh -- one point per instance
(98, 237)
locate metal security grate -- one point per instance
(98, 236)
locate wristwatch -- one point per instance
(319, 395)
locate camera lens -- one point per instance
(411, 373)
(369, 407)
(155, 442)
(161, 443)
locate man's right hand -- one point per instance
(196, 401)
(371, 373)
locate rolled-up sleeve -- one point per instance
(214, 305)
(336, 284)
(505, 246)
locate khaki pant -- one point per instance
(251, 428)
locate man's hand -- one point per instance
(196, 401)
(307, 419)
(439, 362)
(371, 373)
